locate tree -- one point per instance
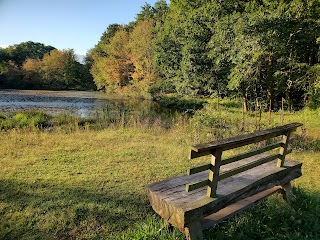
(58, 70)
(262, 46)
(33, 71)
(4, 55)
(118, 65)
(154, 13)
(53, 69)
(20, 52)
(141, 53)
(11, 75)
(99, 54)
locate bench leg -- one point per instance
(194, 231)
(287, 192)
(168, 225)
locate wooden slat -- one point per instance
(251, 153)
(200, 169)
(214, 174)
(239, 141)
(194, 186)
(194, 154)
(237, 207)
(283, 150)
(248, 166)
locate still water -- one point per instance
(81, 103)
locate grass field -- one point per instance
(90, 184)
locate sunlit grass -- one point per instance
(82, 184)
(90, 184)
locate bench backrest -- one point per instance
(216, 149)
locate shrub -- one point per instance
(25, 119)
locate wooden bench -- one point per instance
(213, 192)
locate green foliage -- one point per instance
(4, 55)
(11, 75)
(156, 12)
(122, 60)
(182, 104)
(58, 70)
(20, 52)
(260, 50)
(22, 120)
(32, 65)
(99, 55)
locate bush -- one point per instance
(182, 104)
(20, 120)
(25, 119)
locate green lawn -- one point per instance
(89, 184)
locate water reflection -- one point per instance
(75, 102)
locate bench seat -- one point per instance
(180, 208)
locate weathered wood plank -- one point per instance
(243, 140)
(173, 184)
(251, 153)
(214, 174)
(237, 207)
(200, 169)
(194, 231)
(248, 166)
(177, 181)
(179, 207)
(287, 192)
(193, 186)
(195, 154)
(283, 149)
(205, 207)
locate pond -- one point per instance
(80, 103)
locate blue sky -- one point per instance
(63, 24)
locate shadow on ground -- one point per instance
(45, 210)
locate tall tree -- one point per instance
(99, 54)
(118, 65)
(141, 53)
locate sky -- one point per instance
(63, 24)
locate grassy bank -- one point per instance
(84, 183)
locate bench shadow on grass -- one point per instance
(56, 211)
(45, 210)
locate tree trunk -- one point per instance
(288, 96)
(282, 110)
(244, 98)
(269, 82)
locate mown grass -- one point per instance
(85, 183)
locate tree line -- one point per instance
(31, 65)
(123, 59)
(264, 51)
